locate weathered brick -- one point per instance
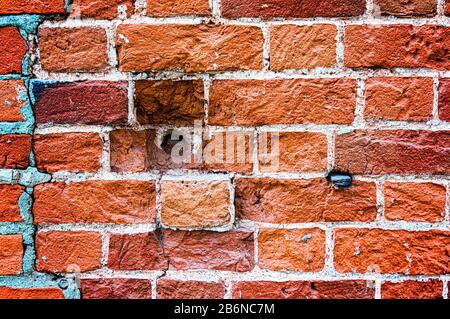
(12, 50)
(292, 249)
(403, 8)
(31, 293)
(73, 49)
(91, 102)
(11, 253)
(422, 202)
(393, 152)
(266, 102)
(345, 289)
(176, 289)
(399, 99)
(292, 8)
(32, 7)
(136, 252)
(101, 9)
(229, 251)
(296, 47)
(190, 48)
(444, 100)
(297, 152)
(391, 251)
(168, 8)
(115, 288)
(298, 201)
(410, 289)
(15, 151)
(13, 96)
(407, 46)
(169, 102)
(9, 203)
(75, 152)
(195, 203)
(447, 7)
(118, 202)
(68, 251)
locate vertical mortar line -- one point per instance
(369, 9)
(132, 112)
(380, 199)
(228, 289)
(445, 288)
(329, 250)
(206, 89)
(232, 190)
(340, 50)
(158, 201)
(105, 159)
(153, 282)
(111, 45)
(256, 247)
(331, 139)
(435, 111)
(447, 203)
(377, 288)
(265, 28)
(360, 103)
(215, 8)
(255, 152)
(441, 8)
(140, 8)
(105, 249)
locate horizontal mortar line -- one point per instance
(110, 228)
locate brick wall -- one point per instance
(96, 95)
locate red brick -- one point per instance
(168, 8)
(13, 96)
(422, 202)
(100, 9)
(118, 202)
(169, 102)
(11, 253)
(189, 48)
(115, 288)
(136, 252)
(403, 8)
(32, 7)
(297, 152)
(176, 289)
(410, 289)
(12, 48)
(346, 289)
(266, 102)
(75, 152)
(296, 47)
(229, 251)
(91, 102)
(299, 201)
(444, 100)
(405, 46)
(15, 151)
(9, 203)
(392, 251)
(31, 293)
(73, 49)
(393, 152)
(399, 99)
(292, 249)
(68, 252)
(195, 203)
(292, 8)
(447, 7)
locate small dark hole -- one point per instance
(169, 141)
(340, 179)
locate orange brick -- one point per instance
(410, 289)
(32, 7)
(9, 203)
(167, 8)
(11, 253)
(176, 289)
(13, 96)
(101, 9)
(30, 293)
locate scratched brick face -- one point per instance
(211, 149)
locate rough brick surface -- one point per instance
(444, 100)
(76, 152)
(403, 8)
(30, 293)
(175, 289)
(117, 288)
(304, 290)
(68, 252)
(234, 103)
(393, 152)
(391, 251)
(101, 9)
(292, 8)
(296, 47)
(9, 203)
(70, 50)
(412, 290)
(297, 201)
(13, 96)
(32, 7)
(14, 151)
(13, 49)
(168, 8)
(414, 202)
(11, 252)
(397, 46)
(117, 202)
(189, 48)
(91, 102)
(399, 99)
